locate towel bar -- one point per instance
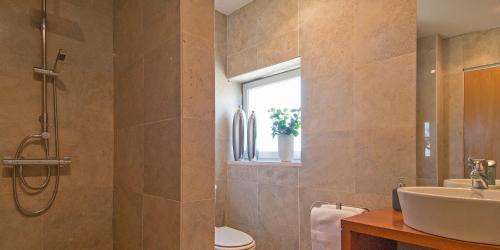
(338, 205)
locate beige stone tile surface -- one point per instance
(129, 164)
(197, 160)
(83, 219)
(161, 223)
(127, 221)
(197, 225)
(162, 81)
(162, 171)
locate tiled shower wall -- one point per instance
(164, 165)
(81, 217)
(358, 100)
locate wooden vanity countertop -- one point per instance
(388, 226)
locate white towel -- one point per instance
(325, 225)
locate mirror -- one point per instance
(458, 87)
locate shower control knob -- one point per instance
(45, 135)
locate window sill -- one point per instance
(265, 163)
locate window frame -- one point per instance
(270, 155)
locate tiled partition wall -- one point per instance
(164, 171)
(359, 108)
(81, 217)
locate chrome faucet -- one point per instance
(478, 174)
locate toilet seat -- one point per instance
(227, 238)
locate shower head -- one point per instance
(61, 56)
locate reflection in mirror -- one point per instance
(458, 87)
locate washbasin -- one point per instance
(459, 213)
(465, 183)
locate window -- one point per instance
(278, 91)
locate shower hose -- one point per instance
(26, 187)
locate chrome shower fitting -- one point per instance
(49, 162)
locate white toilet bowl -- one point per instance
(227, 238)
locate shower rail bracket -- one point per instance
(11, 162)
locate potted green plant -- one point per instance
(286, 125)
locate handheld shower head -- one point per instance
(61, 56)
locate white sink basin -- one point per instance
(465, 183)
(457, 213)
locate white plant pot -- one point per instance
(285, 147)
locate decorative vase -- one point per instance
(285, 147)
(251, 136)
(239, 123)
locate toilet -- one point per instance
(227, 238)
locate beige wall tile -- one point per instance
(278, 209)
(336, 112)
(19, 232)
(386, 153)
(162, 81)
(452, 55)
(197, 160)
(197, 78)
(326, 49)
(328, 161)
(130, 95)
(275, 18)
(243, 203)
(241, 29)
(279, 175)
(453, 124)
(76, 143)
(161, 23)
(128, 32)
(278, 49)
(197, 225)
(162, 166)
(374, 201)
(261, 34)
(83, 220)
(384, 29)
(243, 173)
(197, 19)
(393, 92)
(129, 164)
(242, 62)
(277, 241)
(481, 48)
(127, 222)
(161, 223)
